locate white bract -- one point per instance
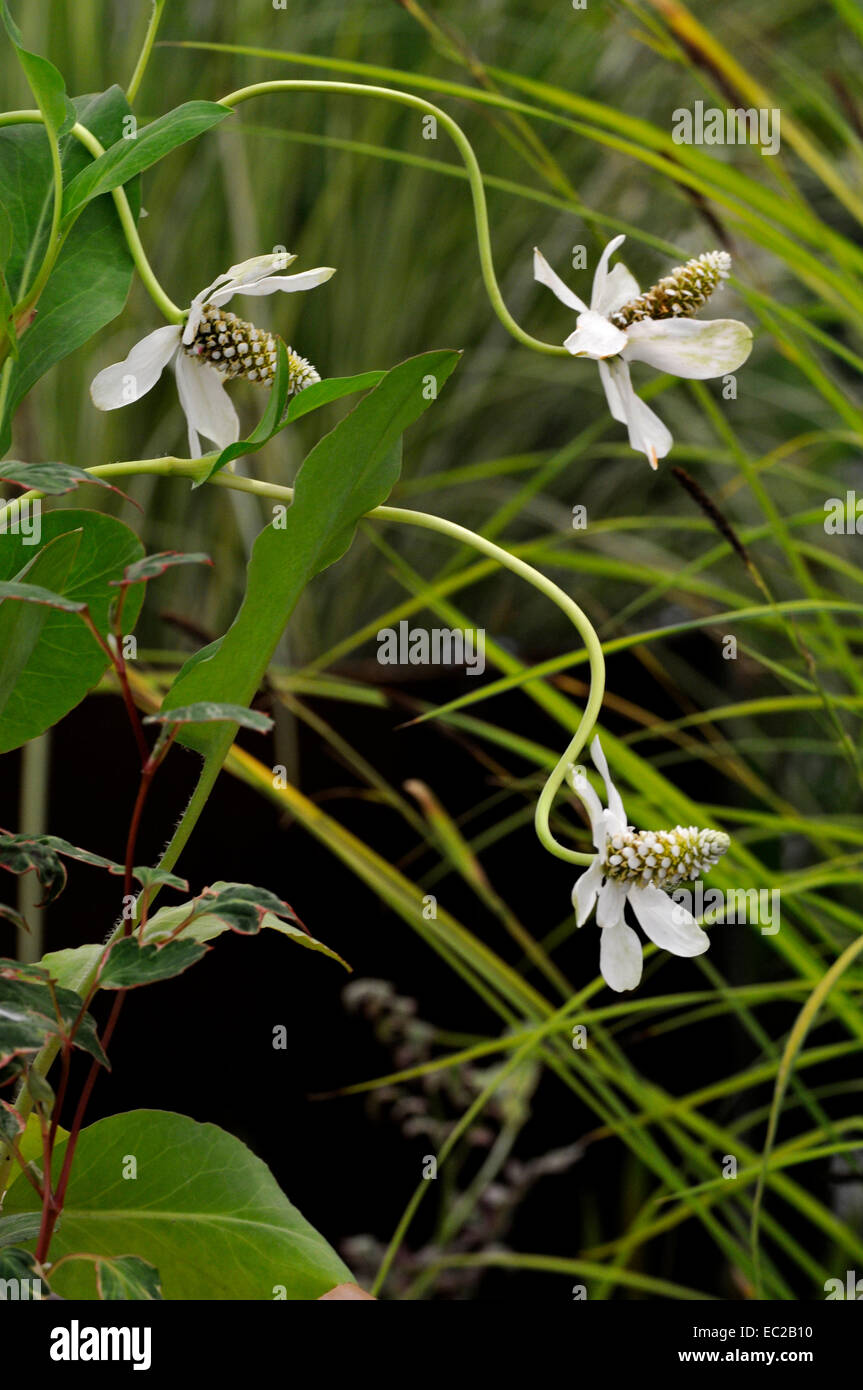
(210, 347)
(622, 325)
(638, 867)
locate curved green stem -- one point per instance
(196, 468)
(472, 169)
(55, 239)
(171, 311)
(144, 56)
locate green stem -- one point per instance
(144, 56)
(194, 468)
(472, 169)
(55, 240)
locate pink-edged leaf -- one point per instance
(52, 478)
(153, 565)
(34, 593)
(204, 712)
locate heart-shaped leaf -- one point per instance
(66, 661)
(203, 1209)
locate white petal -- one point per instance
(620, 959)
(132, 378)
(257, 267)
(615, 801)
(594, 336)
(612, 395)
(205, 401)
(611, 900)
(303, 280)
(584, 791)
(647, 434)
(689, 347)
(600, 275)
(668, 923)
(620, 286)
(543, 272)
(585, 891)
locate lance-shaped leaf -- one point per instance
(127, 1277)
(53, 479)
(11, 1123)
(276, 418)
(66, 661)
(14, 1230)
(148, 878)
(130, 964)
(237, 911)
(21, 854)
(130, 155)
(10, 915)
(20, 1268)
(90, 280)
(204, 1209)
(241, 906)
(153, 565)
(44, 80)
(207, 712)
(31, 1011)
(350, 471)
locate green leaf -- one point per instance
(153, 565)
(43, 79)
(66, 661)
(127, 1277)
(30, 1147)
(320, 393)
(350, 471)
(34, 593)
(241, 906)
(203, 1209)
(11, 1123)
(18, 1228)
(10, 915)
(72, 967)
(21, 1267)
(30, 1013)
(51, 478)
(129, 964)
(130, 154)
(90, 281)
(21, 624)
(206, 712)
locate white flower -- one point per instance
(211, 346)
(638, 867)
(622, 325)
